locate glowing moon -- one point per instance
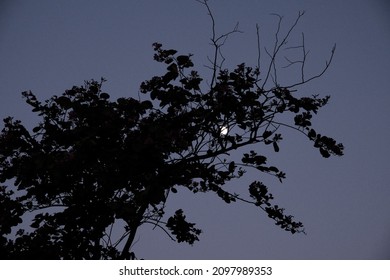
(224, 130)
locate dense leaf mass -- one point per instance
(91, 162)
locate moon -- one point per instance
(224, 130)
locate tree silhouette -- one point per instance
(92, 165)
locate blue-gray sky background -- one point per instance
(344, 203)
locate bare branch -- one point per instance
(217, 43)
(258, 46)
(304, 57)
(327, 64)
(278, 45)
(156, 224)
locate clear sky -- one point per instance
(49, 46)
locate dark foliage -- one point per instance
(91, 161)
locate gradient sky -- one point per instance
(48, 46)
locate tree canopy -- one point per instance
(93, 163)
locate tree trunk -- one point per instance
(134, 224)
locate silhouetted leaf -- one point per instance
(184, 61)
(104, 95)
(276, 147)
(273, 169)
(312, 134)
(324, 153)
(232, 166)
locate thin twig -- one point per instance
(327, 64)
(157, 225)
(258, 46)
(278, 45)
(217, 43)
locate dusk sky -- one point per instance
(344, 202)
